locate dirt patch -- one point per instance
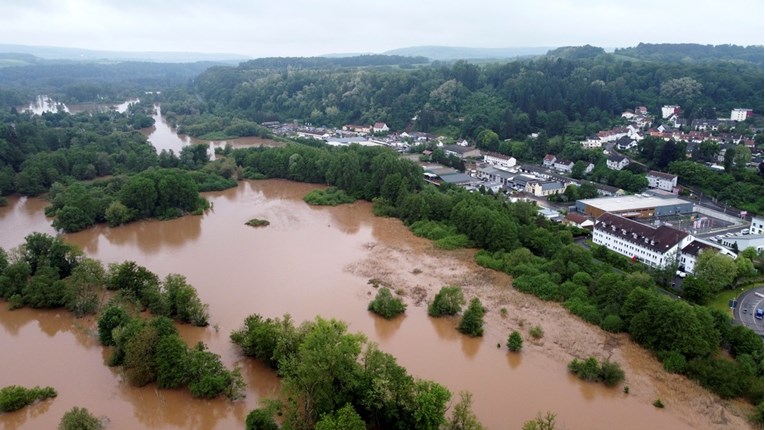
(421, 270)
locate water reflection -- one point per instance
(385, 329)
(470, 345)
(514, 359)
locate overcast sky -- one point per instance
(313, 27)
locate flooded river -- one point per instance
(316, 261)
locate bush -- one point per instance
(329, 197)
(608, 372)
(260, 419)
(386, 305)
(658, 403)
(612, 323)
(674, 362)
(472, 321)
(14, 397)
(448, 301)
(536, 332)
(79, 419)
(515, 341)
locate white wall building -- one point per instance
(655, 247)
(756, 226)
(617, 162)
(669, 110)
(662, 181)
(500, 160)
(690, 253)
(740, 114)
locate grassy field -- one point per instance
(721, 301)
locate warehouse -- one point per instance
(636, 206)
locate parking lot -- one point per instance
(745, 312)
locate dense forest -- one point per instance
(548, 93)
(691, 52)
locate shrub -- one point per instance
(608, 372)
(612, 323)
(255, 222)
(386, 305)
(329, 197)
(658, 403)
(674, 362)
(515, 341)
(14, 397)
(448, 301)
(260, 419)
(79, 419)
(472, 321)
(536, 332)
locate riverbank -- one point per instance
(422, 270)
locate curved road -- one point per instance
(744, 312)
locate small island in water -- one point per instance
(255, 222)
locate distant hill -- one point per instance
(87, 55)
(373, 60)
(576, 52)
(445, 53)
(692, 52)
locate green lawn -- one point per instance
(721, 300)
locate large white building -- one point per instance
(655, 247)
(740, 114)
(669, 110)
(662, 181)
(496, 159)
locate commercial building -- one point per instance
(496, 159)
(635, 206)
(655, 247)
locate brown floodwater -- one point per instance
(299, 264)
(43, 103)
(163, 136)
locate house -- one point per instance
(607, 190)
(617, 162)
(588, 168)
(669, 110)
(625, 142)
(462, 151)
(463, 142)
(641, 110)
(656, 247)
(591, 142)
(702, 124)
(563, 166)
(740, 114)
(380, 127)
(689, 254)
(756, 226)
(501, 160)
(662, 181)
(544, 188)
(578, 220)
(548, 161)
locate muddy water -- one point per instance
(44, 103)
(302, 264)
(163, 136)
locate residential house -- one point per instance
(669, 110)
(591, 142)
(549, 160)
(462, 151)
(703, 124)
(380, 127)
(625, 142)
(364, 129)
(662, 181)
(544, 188)
(656, 247)
(588, 168)
(501, 160)
(617, 162)
(578, 220)
(564, 166)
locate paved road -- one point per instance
(744, 313)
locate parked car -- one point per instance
(758, 314)
(681, 274)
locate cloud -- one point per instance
(309, 27)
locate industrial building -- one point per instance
(635, 206)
